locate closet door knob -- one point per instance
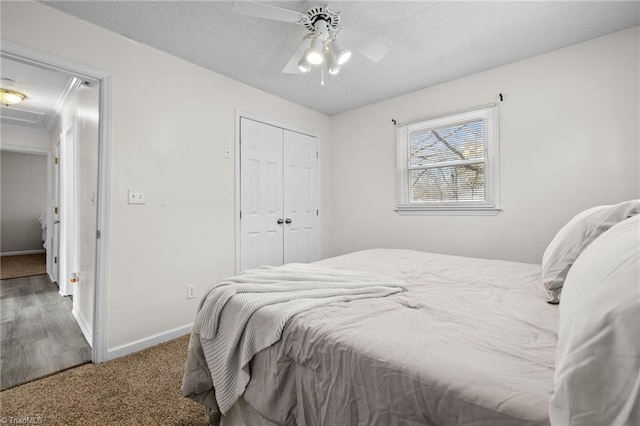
(280, 221)
(287, 221)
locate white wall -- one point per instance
(24, 199)
(569, 140)
(171, 150)
(25, 137)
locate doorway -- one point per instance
(24, 204)
(45, 327)
(86, 269)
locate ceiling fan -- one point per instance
(321, 46)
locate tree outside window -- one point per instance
(448, 162)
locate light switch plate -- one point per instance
(136, 197)
(191, 291)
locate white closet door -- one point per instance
(260, 194)
(300, 198)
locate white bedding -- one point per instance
(243, 315)
(597, 379)
(471, 342)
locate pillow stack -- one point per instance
(597, 377)
(575, 237)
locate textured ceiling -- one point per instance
(44, 90)
(431, 42)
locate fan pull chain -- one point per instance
(322, 76)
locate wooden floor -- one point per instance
(38, 334)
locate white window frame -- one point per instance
(490, 205)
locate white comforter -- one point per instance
(241, 316)
(471, 342)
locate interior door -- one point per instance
(66, 211)
(55, 235)
(261, 238)
(300, 198)
(87, 144)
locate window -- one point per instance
(449, 164)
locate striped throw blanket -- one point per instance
(243, 315)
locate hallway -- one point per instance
(39, 335)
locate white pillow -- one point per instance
(597, 376)
(574, 237)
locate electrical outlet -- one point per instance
(191, 291)
(136, 197)
(227, 152)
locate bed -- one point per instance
(469, 342)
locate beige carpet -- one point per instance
(24, 265)
(139, 389)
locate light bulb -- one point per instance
(332, 62)
(342, 53)
(314, 58)
(344, 56)
(303, 65)
(314, 53)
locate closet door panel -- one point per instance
(261, 194)
(300, 198)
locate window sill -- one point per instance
(425, 211)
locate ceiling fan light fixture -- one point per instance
(304, 65)
(344, 56)
(11, 97)
(332, 62)
(313, 54)
(314, 57)
(342, 53)
(324, 26)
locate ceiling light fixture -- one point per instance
(313, 55)
(304, 65)
(332, 63)
(320, 47)
(324, 49)
(11, 97)
(342, 53)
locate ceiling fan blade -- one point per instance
(292, 65)
(364, 45)
(262, 10)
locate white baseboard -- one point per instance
(20, 253)
(147, 342)
(85, 327)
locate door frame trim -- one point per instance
(31, 56)
(236, 156)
